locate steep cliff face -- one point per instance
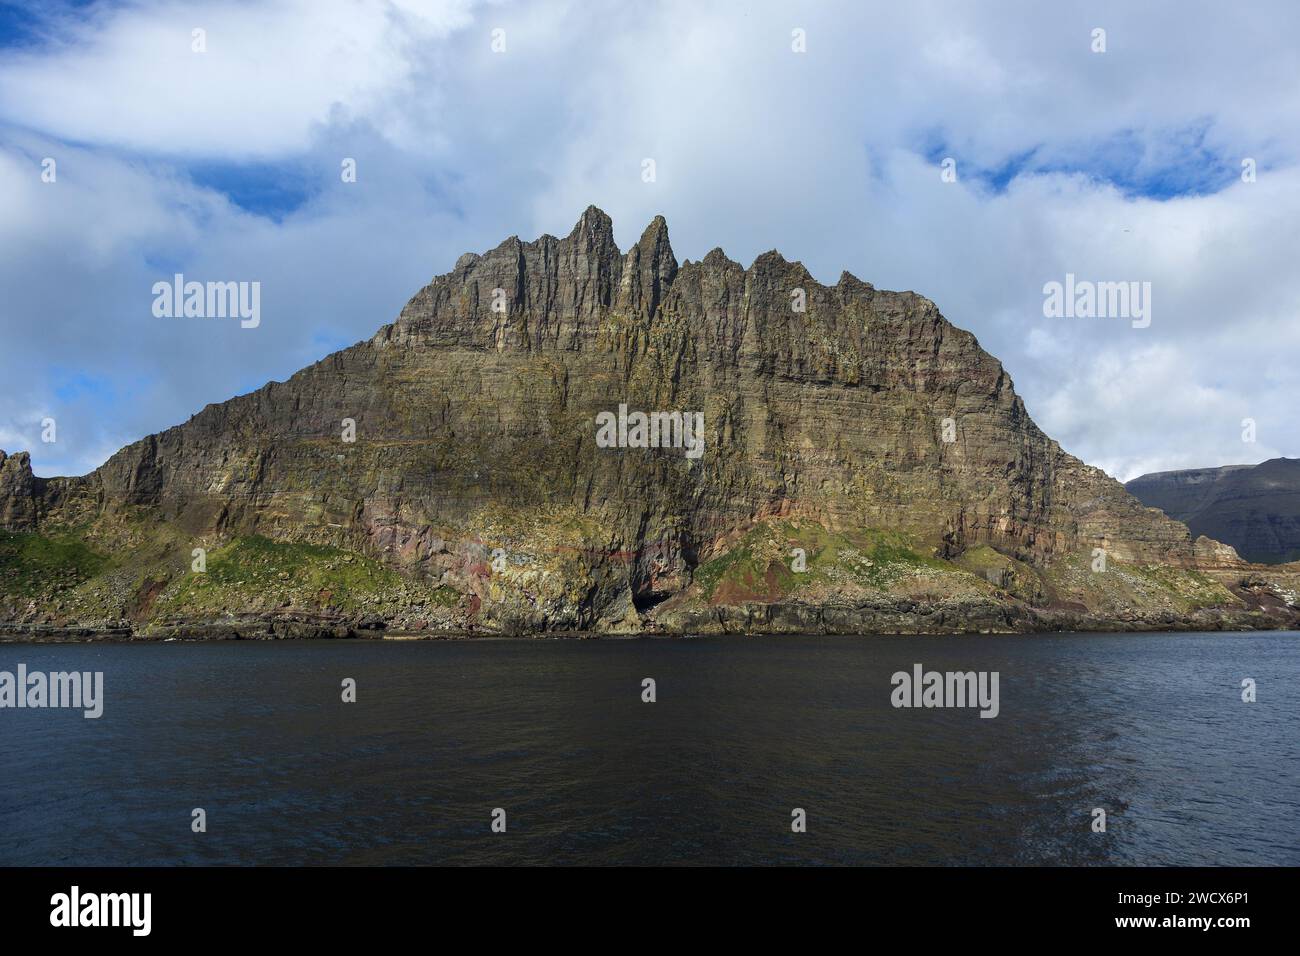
(1254, 508)
(17, 492)
(855, 425)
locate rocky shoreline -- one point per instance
(752, 620)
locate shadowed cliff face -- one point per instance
(1255, 508)
(476, 466)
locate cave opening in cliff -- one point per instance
(645, 601)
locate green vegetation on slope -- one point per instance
(1122, 586)
(761, 565)
(32, 565)
(256, 570)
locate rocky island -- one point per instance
(846, 461)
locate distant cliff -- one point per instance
(863, 465)
(1254, 508)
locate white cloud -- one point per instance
(130, 76)
(825, 155)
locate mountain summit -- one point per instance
(517, 452)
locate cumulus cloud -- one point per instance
(221, 79)
(1117, 166)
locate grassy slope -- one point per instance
(142, 571)
(32, 565)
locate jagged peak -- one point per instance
(593, 235)
(655, 236)
(657, 225)
(655, 246)
(773, 261)
(771, 257)
(849, 281)
(594, 228)
(512, 243)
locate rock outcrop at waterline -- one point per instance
(866, 466)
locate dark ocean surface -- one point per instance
(1152, 728)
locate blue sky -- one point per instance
(225, 164)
